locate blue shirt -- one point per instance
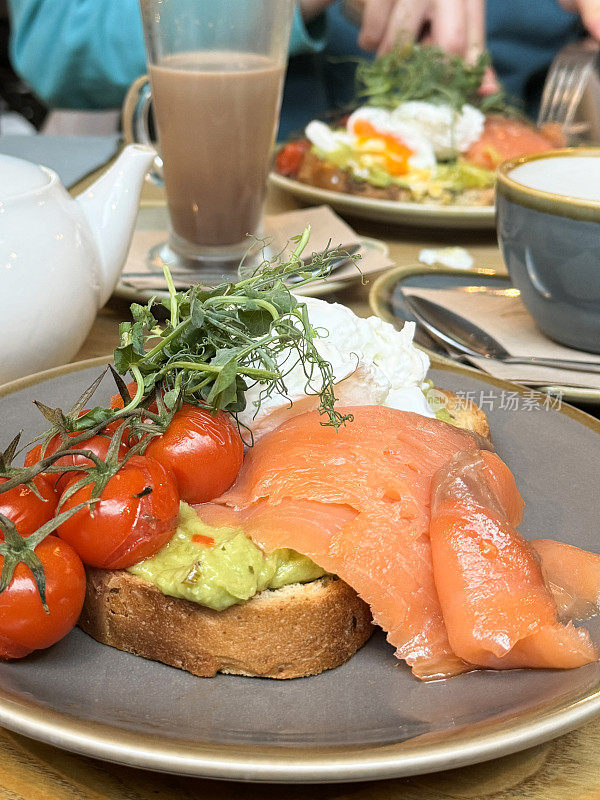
(85, 53)
(523, 36)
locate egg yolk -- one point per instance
(396, 153)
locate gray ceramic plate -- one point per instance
(387, 300)
(365, 720)
(422, 215)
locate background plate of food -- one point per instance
(421, 147)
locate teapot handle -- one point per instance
(135, 116)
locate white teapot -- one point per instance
(60, 258)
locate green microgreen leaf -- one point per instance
(217, 342)
(123, 357)
(412, 71)
(143, 315)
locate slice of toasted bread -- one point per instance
(299, 630)
(466, 414)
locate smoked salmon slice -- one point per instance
(421, 522)
(498, 611)
(572, 574)
(356, 501)
(501, 482)
(504, 138)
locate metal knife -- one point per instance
(457, 332)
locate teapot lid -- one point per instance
(18, 176)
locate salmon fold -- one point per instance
(498, 610)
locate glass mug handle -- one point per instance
(135, 115)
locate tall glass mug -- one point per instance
(216, 70)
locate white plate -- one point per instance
(317, 289)
(394, 211)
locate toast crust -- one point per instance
(466, 414)
(291, 632)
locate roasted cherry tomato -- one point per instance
(24, 625)
(31, 458)
(22, 506)
(98, 444)
(116, 401)
(204, 453)
(136, 515)
(289, 158)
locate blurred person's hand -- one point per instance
(312, 8)
(589, 11)
(457, 26)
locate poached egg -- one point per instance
(376, 141)
(448, 131)
(372, 362)
(409, 140)
(400, 145)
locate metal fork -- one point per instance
(566, 82)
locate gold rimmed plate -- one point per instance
(387, 301)
(424, 215)
(369, 719)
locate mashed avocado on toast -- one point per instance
(219, 567)
(453, 177)
(310, 622)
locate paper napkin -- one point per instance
(501, 313)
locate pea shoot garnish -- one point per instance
(218, 342)
(425, 72)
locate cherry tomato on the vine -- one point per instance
(24, 625)
(116, 401)
(23, 507)
(98, 444)
(136, 515)
(204, 452)
(31, 458)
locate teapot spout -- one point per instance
(110, 206)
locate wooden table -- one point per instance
(565, 769)
(404, 244)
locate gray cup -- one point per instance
(550, 240)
